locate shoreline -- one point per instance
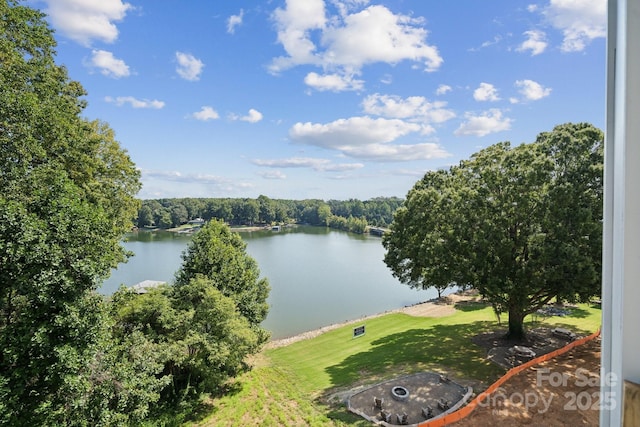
(430, 308)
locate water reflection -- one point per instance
(318, 276)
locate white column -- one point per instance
(621, 249)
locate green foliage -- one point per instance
(216, 335)
(194, 333)
(218, 254)
(289, 385)
(520, 224)
(68, 196)
(166, 213)
(145, 217)
(268, 396)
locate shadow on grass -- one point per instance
(448, 346)
(340, 414)
(470, 305)
(176, 414)
(574, 328)
(578, 313)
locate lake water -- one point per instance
(318, 276)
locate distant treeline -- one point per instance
(351, 215)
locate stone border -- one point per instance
(462, 401)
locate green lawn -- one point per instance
(290, 385)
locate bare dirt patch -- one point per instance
(500, 349)
(430, 309)
(563, 391)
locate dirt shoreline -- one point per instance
(431, 308)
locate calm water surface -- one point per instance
(318, 276)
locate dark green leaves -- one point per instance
(520, 224)
(218, 254)
(68, 195)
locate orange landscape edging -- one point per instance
(469, 408)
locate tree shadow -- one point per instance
(177, 413)
(470, 305)
(574, 328)
(445, 346)
(339, 414)
(579, 313)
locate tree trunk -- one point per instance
(516, 323)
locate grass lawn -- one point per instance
(290, 385)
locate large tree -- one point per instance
(219, 255)
(195, 333)
(68, 194)
(520, 224)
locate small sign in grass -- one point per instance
(358, 331)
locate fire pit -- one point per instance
(399, 393)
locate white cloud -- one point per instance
(413, 108)
(87, 20)
(580, 21)
(486, 92)
(488, 43)
(343, 44)
(409, 172)
(273, 175)
(345, 6)
(292, 162)
(109, 65)
(352, 131)
(341, 167)
(205, 114)
(442, 89)
(234, 21)
(480, 125)
(294, 24)
(535, 42)
(532, 91)
(189, 67)
(367, 138)
(333, 82)
(377, 35)
(222, 184)
(134, 102)
(253, 116)
(322, 165)
(397, 153)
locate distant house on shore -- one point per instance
(196, 221)
(144, 286)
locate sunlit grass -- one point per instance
(289, 385)
(266, 396)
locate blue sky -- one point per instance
(326, 99)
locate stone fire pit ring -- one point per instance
(399, 393)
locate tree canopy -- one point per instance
(68, 195)
(350, 215)
(219, 255)
(520, 224)
(196, 338)
(67, 355)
